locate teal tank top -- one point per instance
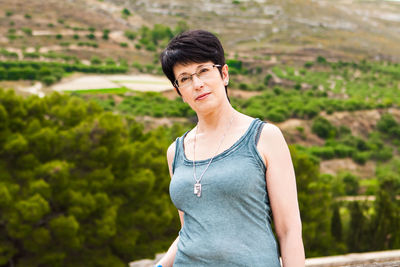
(230, 224)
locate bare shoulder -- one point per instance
(271, 142)
(171, 152)
(271, 133)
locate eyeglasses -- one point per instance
(203, 73)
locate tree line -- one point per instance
(50, 72)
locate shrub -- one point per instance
(31, 55)
(244, 86)
(361, 157)
(323, 152)
(123, 44)
(12, 37)
(9, 13)
(300, 129)
(160, 32)
(308, 64)
(275, 115)
(384, 154)
(90, 44)
(310, 111)
(48, 80)
(267, 78)
(343, 151)
(395, 132)
(151, 47)
(95, 60)
(321, 60)
(386, 123)
(233, 71)
(351, 184)
(109, 61)
(234, 63)
(131, 35)
(137, 66)
(14, 73)
(7, 54)
(343, 130)
(27, 31)
(149, 68)
(58, 36)
(126, 12)
(28, 73)
(323, 128)
(90, 36)
(28, 16)
(106, 32)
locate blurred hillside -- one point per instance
(348, 28)
(300, 28)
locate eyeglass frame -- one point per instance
(195, 73)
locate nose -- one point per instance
(197, 82)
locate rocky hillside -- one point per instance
(345, 27)
(297, 29)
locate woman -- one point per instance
(220, 184)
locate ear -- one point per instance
(225, 74)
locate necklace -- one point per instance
(197, 185)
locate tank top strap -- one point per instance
(254, 131)
(252, 139)
(178, 152)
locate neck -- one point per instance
(216, 120)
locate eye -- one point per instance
(183, 79)
(205, 69)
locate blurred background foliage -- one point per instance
(81, 186)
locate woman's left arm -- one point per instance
(281, 185)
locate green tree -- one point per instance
(356, 236)
(315, 218)
(336, 224)
(386, 222)
(77, 185)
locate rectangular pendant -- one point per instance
(197, 189)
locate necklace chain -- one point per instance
(197, 185)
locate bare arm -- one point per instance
(281, 184)
(169, 257)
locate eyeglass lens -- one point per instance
(202, 73)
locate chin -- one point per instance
(207, 107)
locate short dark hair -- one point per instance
(196, 46)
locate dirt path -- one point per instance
(137, 82)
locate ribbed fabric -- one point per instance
(230, 224)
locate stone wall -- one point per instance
(389, 258)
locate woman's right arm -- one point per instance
(169, 257)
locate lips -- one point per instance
(202, 96)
